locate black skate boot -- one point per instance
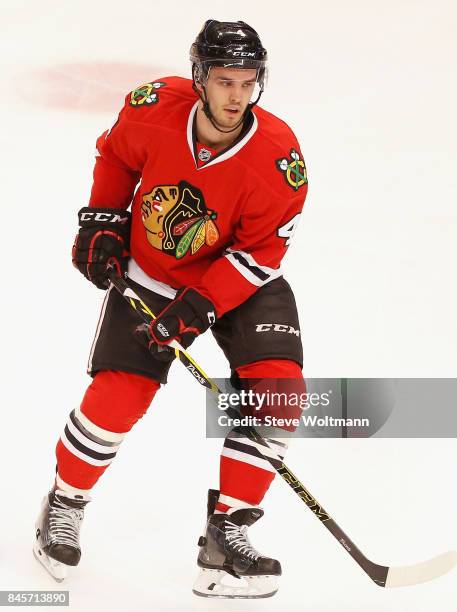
(57, 532)
(225, 550)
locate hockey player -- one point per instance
(223, 184)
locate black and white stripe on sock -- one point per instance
(89, 442)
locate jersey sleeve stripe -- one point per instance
(252, 271)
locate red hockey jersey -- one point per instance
(219, 222)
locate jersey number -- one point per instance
(287, 230)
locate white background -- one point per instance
(369, 89)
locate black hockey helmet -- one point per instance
(228, 44)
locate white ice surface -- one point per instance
(369, 89)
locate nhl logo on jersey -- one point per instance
(146, 94)
(176, 219)
(293, 170)
(204, 155)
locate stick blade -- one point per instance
(421, 572)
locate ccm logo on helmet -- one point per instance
(243, 54)
(103, 216)
(277, 327)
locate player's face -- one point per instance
(229, 91)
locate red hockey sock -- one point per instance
(112, 404)
(244, 475)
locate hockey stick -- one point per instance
(382, 575)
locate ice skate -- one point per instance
(226, 556)
(57, 532)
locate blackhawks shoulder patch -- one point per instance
(293, 170)
(146, 94)
(177, 220)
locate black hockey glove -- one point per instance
(103, 240)
(186, 317)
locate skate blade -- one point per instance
(210, 583)
(56, 569)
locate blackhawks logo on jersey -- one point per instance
(146, 94)
(177, 220)
(293, 170)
